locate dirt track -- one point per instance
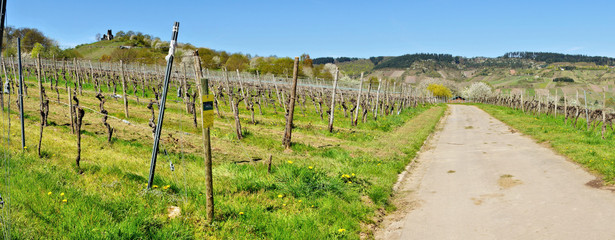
(478, 179)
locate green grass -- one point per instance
(328, 182)
(584, 147)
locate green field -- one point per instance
(328, 186)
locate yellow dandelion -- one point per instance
(64, 201)
(290, 162)
(312, 206)
(378, 164)
(349, 182)
(53, 155)
(353, 175)
(155, 186)
(240, 213)
(300, 201)
(341, 230)
(25, 147)
(49, 193)
(280, 196)
(62, 194)
(310, 167)
(284, 205)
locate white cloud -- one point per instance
(574, 49)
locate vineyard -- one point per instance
(88, 128)
(251, 125)
(571, 109)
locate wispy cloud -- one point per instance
(574, 49)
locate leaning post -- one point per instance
(357, 106)
(163, 100)
(333, 101)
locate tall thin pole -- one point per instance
(152, 168)
(209, 189)
(124, 89)
(331, 115)
(586, 113)
(377, 99)
(358, 105)
(23, 136)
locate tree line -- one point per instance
(33, 39)
(325, 60)
(549, 57)
(407, 60)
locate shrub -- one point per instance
(563, 79)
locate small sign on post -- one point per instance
(208, 106)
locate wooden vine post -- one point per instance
(207, 118)
(556, 100)
(333, 101)
(44, 104)
(234, 104)
(70, 108)
(604, 111)
(586, 110)
(291, 107)
(357, 107)
(124, 89)
(565, 108)
(367, 101)
(377, 99)
(522, 104)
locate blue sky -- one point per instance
(337, 28)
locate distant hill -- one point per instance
(559, 57)
(148, 51)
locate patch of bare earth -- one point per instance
(507, 181)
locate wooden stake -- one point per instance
(291, 107)
(357, 107)
(184, 87)
(124, 89)
(604, 112)
(333, 100)
(377, 99)
(565, 108)
(586, 113)
(556, 101)
(209, 192)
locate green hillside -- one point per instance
(94, 51)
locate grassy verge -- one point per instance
(327, 187)
(582, 146)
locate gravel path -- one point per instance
(479, 179)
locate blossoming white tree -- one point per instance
(476, 90)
